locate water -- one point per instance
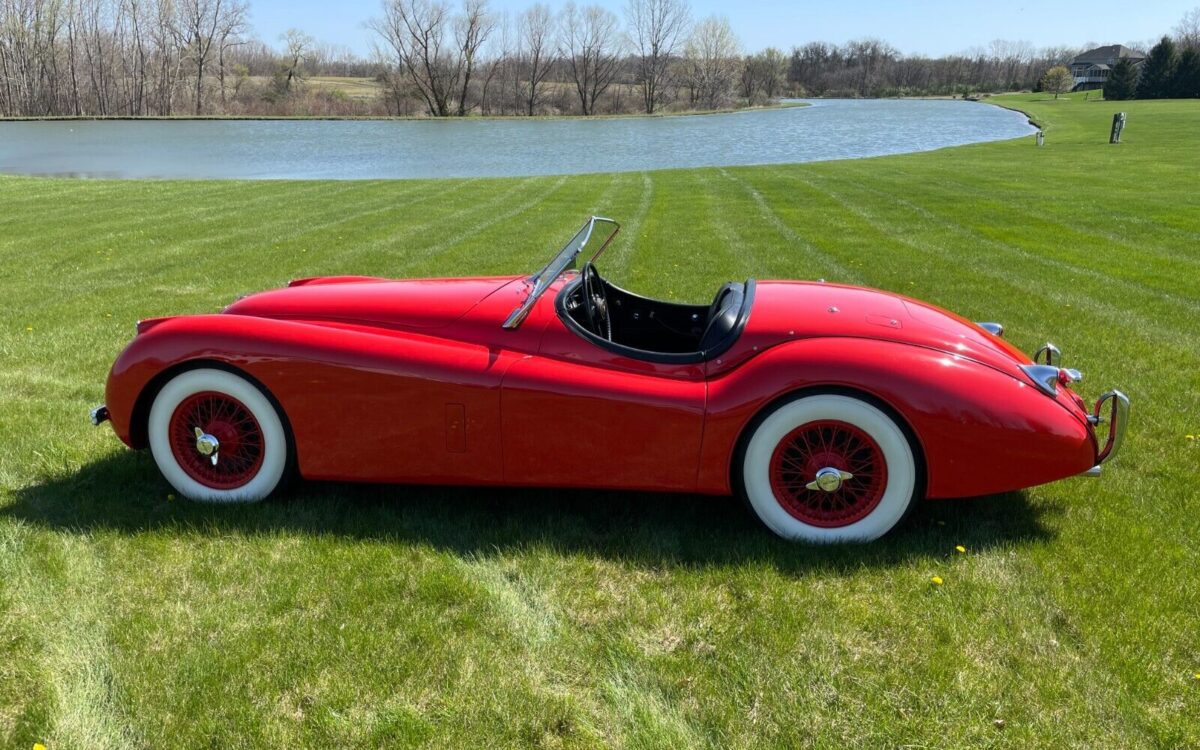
(309, 149)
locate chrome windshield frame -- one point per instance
(562, 261)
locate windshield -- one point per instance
(597, 232)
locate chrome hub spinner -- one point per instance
(829, 479)
(207, 445)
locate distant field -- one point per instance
(346, 616)
(356, 88)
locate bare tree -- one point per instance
(229, 36)
(473, 29)
(297, 46)
(713, 59)
(202, 24)
(591, 49)
(1187, 31)
(498, 67)
(415, 31)
(656, 28)
(417, 35)
(535, 29)
(764, 75)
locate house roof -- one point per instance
(1104, 54)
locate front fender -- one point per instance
(363, 403)
(163, 345)
(981, 431)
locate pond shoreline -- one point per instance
(397, 118)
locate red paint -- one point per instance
(367, 371)
(828, 444)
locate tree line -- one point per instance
(460, 57)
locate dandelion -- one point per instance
(936, 580)
(171, 497)
(28, 328)
(960, 549)
(1191, 437)
(38, 746)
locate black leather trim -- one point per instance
(666, 358)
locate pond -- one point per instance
(362, 149)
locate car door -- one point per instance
(575, 414)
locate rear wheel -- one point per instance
(829, 468)
(216, 437)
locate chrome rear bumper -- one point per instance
(1118, 420)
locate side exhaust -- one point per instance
(99, 415)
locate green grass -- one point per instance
(347, 616)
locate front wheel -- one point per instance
(829, 468)
(216, 437)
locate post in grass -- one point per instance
(1118, 124)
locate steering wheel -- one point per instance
(595, 301)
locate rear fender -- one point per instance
(981, 431)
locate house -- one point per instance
(1091, 68)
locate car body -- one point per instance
(506, 381)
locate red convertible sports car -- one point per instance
(831, 409)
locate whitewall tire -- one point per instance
(206, 414)
(829, 468)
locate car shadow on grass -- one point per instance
(123, 493)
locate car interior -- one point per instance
(653, 329)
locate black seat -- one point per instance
(723, 315)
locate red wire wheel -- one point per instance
(828, 444)
(238, 434)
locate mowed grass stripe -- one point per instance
(385, 250)
(76, 222)
(1074, 250)
(498, 247)
(616, 259)
(1085, 300)
(1149, 230)
(828, 266)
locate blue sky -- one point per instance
(933, 27)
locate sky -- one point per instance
(931, 27)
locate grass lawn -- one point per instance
(348, 616)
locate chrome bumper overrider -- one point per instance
(99, 415)
(1118, 420)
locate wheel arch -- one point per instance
(738, 455)
(140, 416)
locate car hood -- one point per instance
(788, 310)
(360, 300)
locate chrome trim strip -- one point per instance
(1118, 420)
(1092, 472)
